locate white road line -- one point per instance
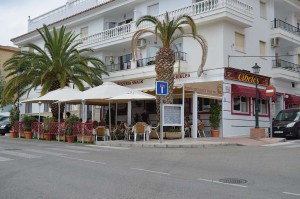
(293, 194)
(44, 152)
(86, 148)
(18, 154)
(91, 161)
(292, 146)
(279, 144)
(2, 159)
(68, 150)
(109, 147)
(217, 182)
(157, 172)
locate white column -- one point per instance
(129, 107)
(195, 108)
(182, 128)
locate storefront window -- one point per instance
(263, 106)
(204, 104)
(241, 105)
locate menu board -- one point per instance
(172, 115)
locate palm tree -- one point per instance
(168, 31)
(55, 65)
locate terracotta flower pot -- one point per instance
(173, 135)
(13, 134)
(28, 135)
(70, 138)
(215, 133)
(48, 136)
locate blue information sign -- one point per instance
(161, 88)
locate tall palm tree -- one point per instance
(168, 31)
(55, 65)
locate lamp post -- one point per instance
(256, 70)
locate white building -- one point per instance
(239, 34)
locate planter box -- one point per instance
(13, 134)
(87, 138)
(173, 135)
(21, 134)
(70, 138)
(48, 136)
(28, 135)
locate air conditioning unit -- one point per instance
(275, 42)
(141, 43)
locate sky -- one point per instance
(14, 16)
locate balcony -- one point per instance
(286, 70)
(289, 35)
(149, 61)
(205, 11)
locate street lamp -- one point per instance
(256, 70)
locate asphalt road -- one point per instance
(39, 169)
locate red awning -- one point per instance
(245, 91)
(292, 99)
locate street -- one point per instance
(32, 169)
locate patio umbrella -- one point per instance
(53, 96)
(131, 96)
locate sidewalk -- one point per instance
(193, 143)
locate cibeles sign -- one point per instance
(245, 76)
(212, 89)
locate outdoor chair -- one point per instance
(139, 130)
(127, 131)
(154, 134)
(100, 132)
(201, 129)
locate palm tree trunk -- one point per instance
(164, 67)
(54, 106)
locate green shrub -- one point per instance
(14, 115)
(27, 119)
(69, 124)
(46, 123)
(214, 118)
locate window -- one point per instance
(84, 32)
(262, 48)
(263, 106)
(239, 42)
(240, 105)
(28, 108)
(204, 104)
(46, 107)
(263, 10)
(153, 10)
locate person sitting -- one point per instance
(145, 117)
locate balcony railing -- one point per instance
(141, 62)
(277, 23)
(192, 10)
(278, 63)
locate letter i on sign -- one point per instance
(162, 88)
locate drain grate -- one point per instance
(233, 181)
(12, 149)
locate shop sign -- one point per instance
(206, 88)
(182, 75)
(131, 82)
(245, 76)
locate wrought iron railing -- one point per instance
(279, 63)
(141, 62)
(277, 23)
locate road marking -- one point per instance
(45, 152)
(2, 159)
(91, 161)
(86, 148)
(158, 172)
(293, 146)
(109, 147)
(217, 182)
(18, 154)
(293, 194)
(68, 150)
(279, 144)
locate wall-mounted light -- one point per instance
(286, 96)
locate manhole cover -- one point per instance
(12, 149)
(233, 181)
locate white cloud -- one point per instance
(14, 16)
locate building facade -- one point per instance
(239, 34)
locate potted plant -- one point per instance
(70, 121)
(27, 121)
(173, 133)
(46, 135)
(14, 117)
(214, 119)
